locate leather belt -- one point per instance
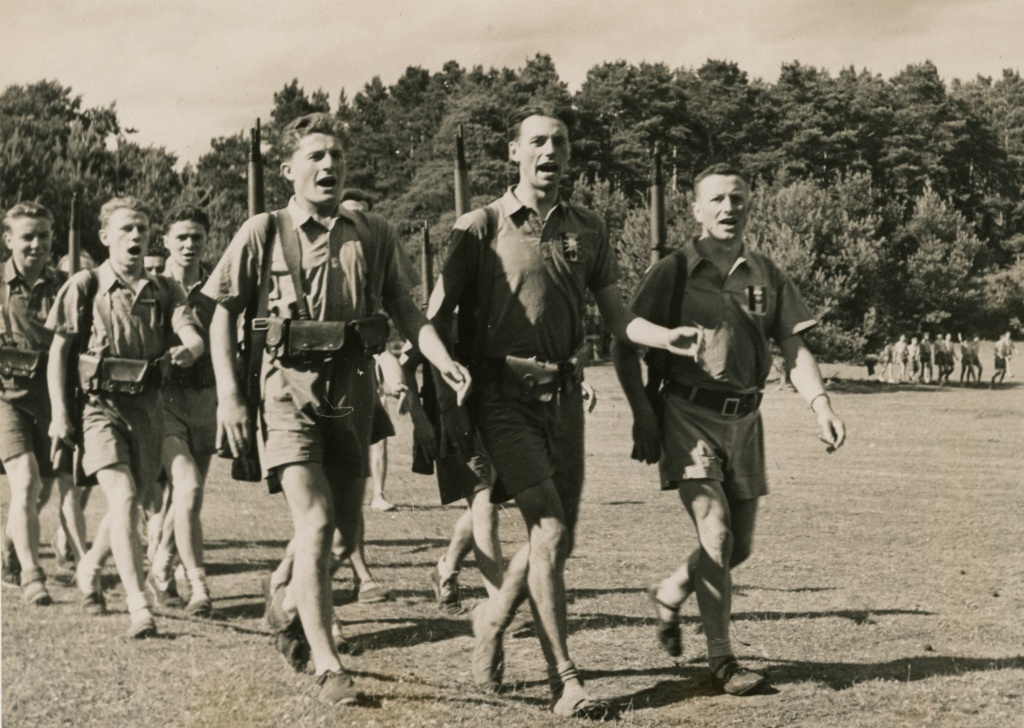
(727, 404)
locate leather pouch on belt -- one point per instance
(313, 337)
(529, 379)
(372, 333)
(125, 376)
(88, 373)
(21, 363)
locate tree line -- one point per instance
(897, 204)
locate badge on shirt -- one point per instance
(571, 247)
(757, 299)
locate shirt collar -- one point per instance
(300, 217)
(108, 279)
(11, 273)
(693, 257)
(512, 205)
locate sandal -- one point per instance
(734, 679)
(670, 636)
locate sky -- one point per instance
(184, 71)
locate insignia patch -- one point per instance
(757, 299)
(571, 247)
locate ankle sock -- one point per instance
(138, 607)
(719, 653)
(197, 580)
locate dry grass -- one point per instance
(886, 588)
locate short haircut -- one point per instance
(85, 262)
(565, 114)
(723, 169)
(26, 209)
(188, 213)
(357, 195)
(121, 203)
(303, 126)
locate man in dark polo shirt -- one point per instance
(518, 270)
(710, 443)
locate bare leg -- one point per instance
(23, 517)
(310, 502)
(379, 474)
(72, 519)
(188, 475)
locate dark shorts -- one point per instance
(457, 480)
(530, 442)
(382, 427)
(124, 430)
(293, 434)
(23, 428)
(702, 444)
(1000, 364)
(190, 415)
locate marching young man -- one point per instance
(330, 271)
(709, 442)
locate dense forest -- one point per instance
(897, 204)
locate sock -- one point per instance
(161, 569)
(197, 580)
(719, 653)
(85, 574)
(138, 607)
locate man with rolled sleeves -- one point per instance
(518, 271)
(125, 319)
(316, 376)
(710, 442)
(190, 425)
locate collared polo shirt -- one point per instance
(541, 273)
(27, 307)
(738, 314)
(142, 317)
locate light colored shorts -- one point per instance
(190, 415)
(702, 444)
(119, 429)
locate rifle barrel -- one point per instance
(74, 243)
(254, 173)
(461, 175)
(659, 229)
(426, 265)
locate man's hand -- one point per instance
(686, 341)
(646, 437)
(181, 356)
(457, 377)
(589, 396)
(833, 431)
(60, 433)
(233, 426)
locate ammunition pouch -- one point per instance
(24, 364)
(532, 380)
(115, 375)
(297, 341)
(198, 376)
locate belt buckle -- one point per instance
(731, 406)
(259, 324)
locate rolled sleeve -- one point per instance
(65, 317)
(233, 281)
(792, 316)
(606, 266)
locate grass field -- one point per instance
(886, 589)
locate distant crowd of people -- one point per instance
(933, 361)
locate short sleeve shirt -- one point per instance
(340, 271)
(202, 307)
(26, 308)
(738, 313)
(141, 318)
(543, 269)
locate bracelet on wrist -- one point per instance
(816, 397)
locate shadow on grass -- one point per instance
(868, 386)
(857, 616)
(238, 543)
(845, 675)
(222, 568)
(409, 632)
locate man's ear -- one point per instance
(286, 170)
(103, 237)
(513, 151)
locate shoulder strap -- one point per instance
(485, 281)
(291, 247)
(85, 324)
(5, 300)
(373, 268)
